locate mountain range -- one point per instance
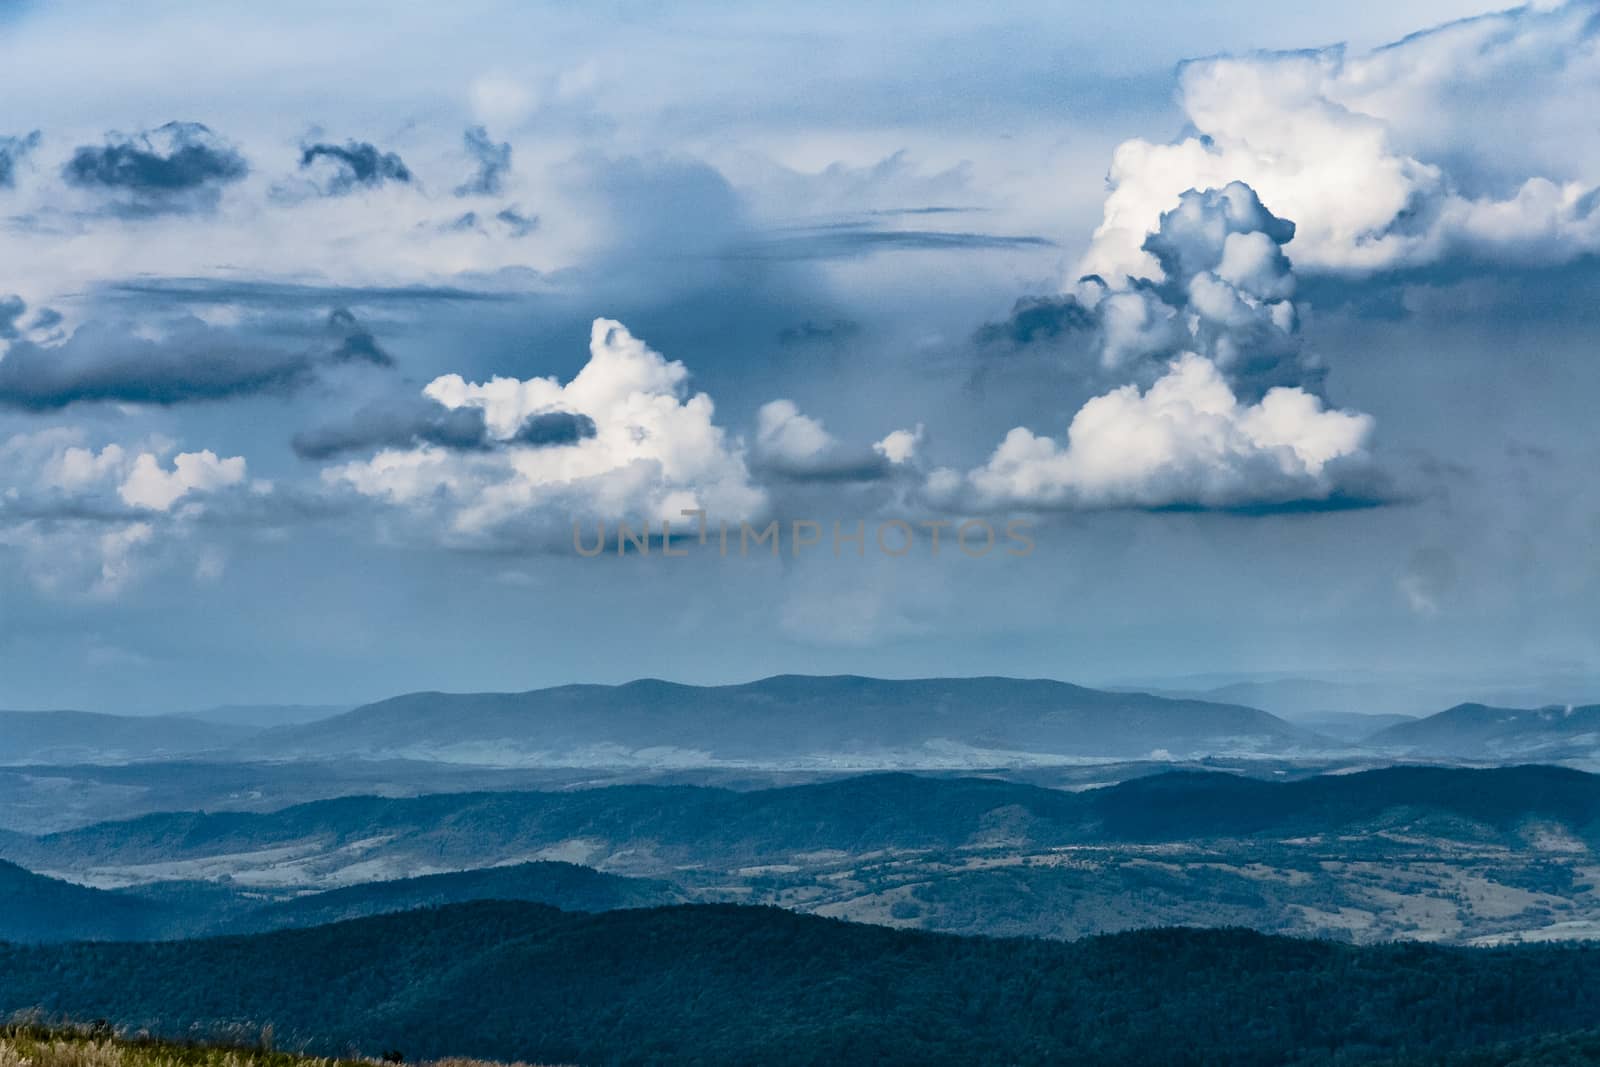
(797, 722)
(787, 719)
(1433, 853)
(654, 829)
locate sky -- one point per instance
(1261, 340)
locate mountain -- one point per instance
(90, 737)
(1303, 700)
(262, 716)
(725, 984)
(788, 719)
(36, 908)
(559, 885)
(1477, 731)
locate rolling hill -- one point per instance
(36, 908)
(559, 885)
(786, 720)
(1480, 732)
(723, 984)
(654, 830)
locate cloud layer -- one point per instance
(192, 361)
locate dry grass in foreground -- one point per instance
(32, 1045)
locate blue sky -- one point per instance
(319, 330)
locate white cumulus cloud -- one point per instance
(655, 450)
(1187, 441)
(149, 485)
(1475, 138)
(88, 521)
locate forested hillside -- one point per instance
(724, 984)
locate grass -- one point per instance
(32, 1044)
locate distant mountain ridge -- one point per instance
(90, 737)
(787, 719)
(1477, 731)
(263, 716)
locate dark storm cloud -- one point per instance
(356, 342)
(192, 362)
(494, 163)
(180, 166)
(355, 163)
(831, 468)
(1037, 318)
(554, 428)
(12, 151)
(397, 425)
(422, 421)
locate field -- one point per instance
(29, 1044)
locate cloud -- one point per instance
(1038, 318)
(178, 167)
(356, 342)
(494, 163)
(515, 222)
(149, 485)
(624, 439)
(423, 421)
(1467, 140)
(900, 446)
(1220, 285)
(269, 293)
(54, 474)
(191, 362)
(853, 240)
(808, 332)
(12, 308)
(551, 428)
(1186, 442)
(86, 520)
(14, 150)
(1429, 577)
(509, 221)
(420, 421)
(353, 164)
(795, 447)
